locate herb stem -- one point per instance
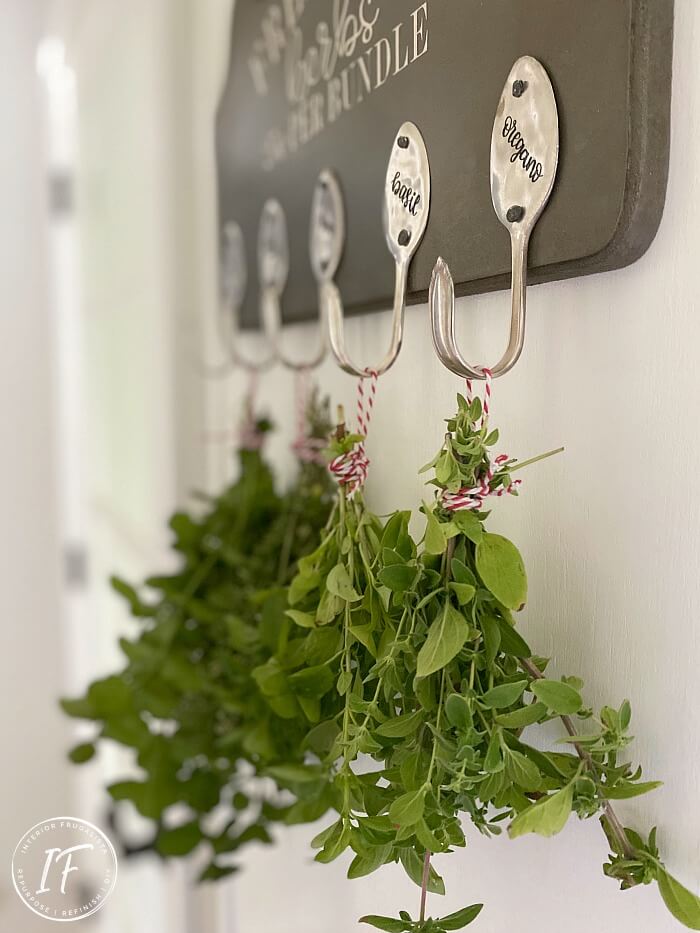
(424, 885)
(437, 729)
(533, 460)
(616, 827)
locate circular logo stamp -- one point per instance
(64, 869)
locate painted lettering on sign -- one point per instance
(521, 153)
(330, 69)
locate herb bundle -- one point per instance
(401, 653)
(422, 669)
(186, 702)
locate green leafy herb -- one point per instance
(202, 663)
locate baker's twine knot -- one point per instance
(351, 469)
(473, 498)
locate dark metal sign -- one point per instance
(326, 84)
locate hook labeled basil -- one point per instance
(406, 194)
(406, 208)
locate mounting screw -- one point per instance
(515, 214)
(404, 238)
(403, 142)
(519, 88)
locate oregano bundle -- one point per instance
(426, 674)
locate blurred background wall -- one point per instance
(30, 638)
(108, 430)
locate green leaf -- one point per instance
(82, 753)
(363, 865)
(302, 619)
(401, 726)
(461, 573)
(80, 708)
(520, 718)
(522, 772)
(547, 817)
(512, 643)
(398, 577)
(445, 640)
(628, 791)
(319, 841)
(408, 809)
(136, 605)
(214, 872)
(683, 904)
(150, 798)
(559, 697)
(493, 762)
(435, 539)
(180, 841)
(344, 682)
(502, 570)
(469, 525)
(625, 715)
(110, 697)
(335, 844)
(504, 695)
(461, 918)
(339, 584)
(313, 682)
(302, 585)
(388, 924)
(458, 711)
(395, 530)
(413, 866)
(294, 774)
(492, 637)
(464, 591)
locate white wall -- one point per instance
(610, 532)
(34, 782)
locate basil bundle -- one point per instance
(186, 701)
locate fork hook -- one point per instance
(406, 209)
(524, 162)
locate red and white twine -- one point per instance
(472, 498)
(351, 469)
(486, 401)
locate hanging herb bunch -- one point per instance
(421, 668)
(185, 702)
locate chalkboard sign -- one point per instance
(316, 84)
